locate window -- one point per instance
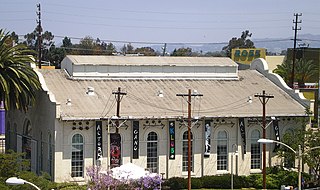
(222, 155)
(50, 152)
(152, 152)
(77, 156)
(185, 152)
(255, 150)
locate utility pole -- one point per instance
(189, 133)
(39, 34)
(295, 28)
(119, 96)
(264, 98)
(164, 48)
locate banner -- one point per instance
(277, 134)
(115, 150)
(207, 138)
(98, 139)
(135, 140)
(172, 140)
(243, 134)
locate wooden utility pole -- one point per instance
(264, 98)
(39, 35)
(119, 96)
(189, 133)
(295, 28)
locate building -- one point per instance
(67, 130)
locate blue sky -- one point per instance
(178, 21)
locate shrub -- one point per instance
(196, 183)
(176, 183)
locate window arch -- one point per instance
(152, 152)
(185, 151)
(222, 150)
(77, 157)
(255, 150)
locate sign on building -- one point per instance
(246, 56)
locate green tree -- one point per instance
(307, 139)
(127, 49)
(242, 42)
(110, 48)
(182, 52)
(18, 81)
(304, 71)
(147, 51)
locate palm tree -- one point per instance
(18, 81)
(305, 71)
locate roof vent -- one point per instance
(68, 102)
(90, 91)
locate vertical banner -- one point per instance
(115, 150)
(135, 139)
(243, 134)
(98, 139)
(275, 124)
(207, 138)
(172, 145)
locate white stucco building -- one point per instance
(67, 130)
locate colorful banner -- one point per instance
(172, 140)
(277, 134)
(115, 150)
(243, 134)
(98, 139)
(207, 138)
(135, 140)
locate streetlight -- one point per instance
(269, 141)
(19, 181)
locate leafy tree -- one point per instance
(110, 48)
(18, 81)
(182, 52)
(307, 139)
(11, 163)
(147, 51)
(127, 49)
(242, 42)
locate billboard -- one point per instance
(247, 55)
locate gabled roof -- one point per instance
(221, 98)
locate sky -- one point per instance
(165, 21)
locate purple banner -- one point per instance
(2, 119)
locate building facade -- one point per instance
(109, 110)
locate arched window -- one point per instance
(77, 157)
(185, 152)
(50, 160)
(152, 152)
(255, 150)
(222, 151)
(26, 139)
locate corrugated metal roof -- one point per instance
(221, 98)
(150, 60)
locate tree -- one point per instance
(241, 42)
(306, 139)
(304, 71)
(147, 51)
(110, 48)
(18, 81)
(182, 52)
(127, 49)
